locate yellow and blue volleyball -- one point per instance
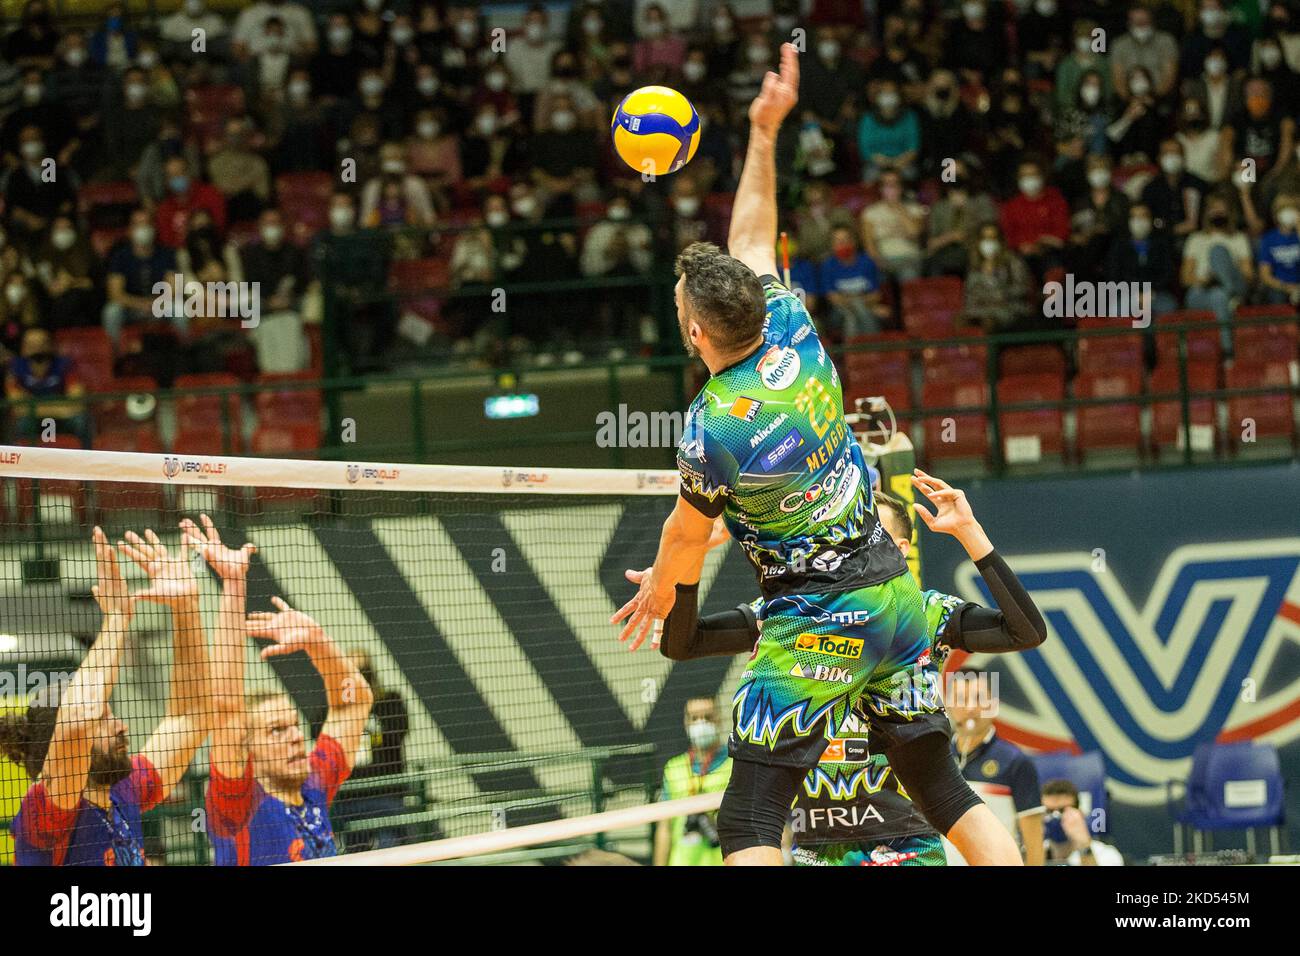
(655, 130)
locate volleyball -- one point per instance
(655, 130)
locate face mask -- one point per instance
(722, 25)
(785, 23)
(15, 294)
(147, 60)
(194, 8)
(467, 30)
(653, 29)
(135, 92)
(1143, 34)
(757, 54)
(1270, 56)
(341, 217)
(75, 57)
(496, 82)
(40, 358)
(427, 85)
(686, 205)
(1083, 45)
(179, 184)
(702, 734)
(1171, 163)
(619, 213)
(1213, 19)
(972, 11)
(1031, 185)
(891, 192)
(393, 167)
(1287, 218)
(534, 32)
(843, 251)
(402, 35)
(486, 124)
(272, 235)
(563, 121)
(142, 235)
(591, 26)
(299, 89)
(1139, 86)
(828, 49)
(497, 218)
(1218, 221)
(31, 94)
(525, 206)
(1045, 8)
(372, 86)
(1216, 66)
(63, 238)
(989, 248)
(693, 71)
(1098, 178)
(428, 129)
(1091, 95)
(887, 101)
(1139, 228)
(957, 197)
(339, 36)
(32, 150)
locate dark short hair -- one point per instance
(726, 295)
(1056, 788)
(899, 510)
(25, 737)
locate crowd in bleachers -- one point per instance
(945, 161)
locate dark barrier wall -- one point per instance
(1174, 609)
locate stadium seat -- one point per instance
(1106, 353)
(1167, 416)
(104, 240)
(1029, 435)
(1109, 427)
(112, 497)
(418, 275)
(110, 413)
(312, 186)
(132, 338)
(62, 501)
(941, 293)
(288, 440)
(208, 108)
(1231, 786)
(1271, 412)
(279, 403)
(959, 434)
(202, 421)
(851, 197)
(107, 205)
(1088, 774)
(1260, 344)
(862, 368)
(92, 352)
(1031, 360)
(1202, 344)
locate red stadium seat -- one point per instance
(1271, 412)
(201, 422)
(309, 186)
(418, 275)
(958, 434)
(1107, 353)
(107, 205)
(862, 368)
(851, 197)
(62, 501)
(110, 414)
(92, 352)
(289, 440)
(1202, 344)
(1031, 360)
(104, 240)
(280, 405)
(942, 293)
(116, 496)
(1117, 426)
(1029, 435)
(132, 338)
(1167, 416)
(1285, 314)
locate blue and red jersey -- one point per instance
(46, 834)
(249, 827)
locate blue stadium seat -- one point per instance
(1236, 786)
(1088, 773)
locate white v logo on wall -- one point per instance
(1146, 685)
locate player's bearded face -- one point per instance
(684, 326)
(110, 762)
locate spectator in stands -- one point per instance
(177, 30)
(54, 121)
(1140, 253)
(1082, 59)
(34, 42)
(1036, 221)
(660, 49)
(1096, 220)
(115, 43)
(1069, 832)
(35, 192)
(130, 124)
(850, 284)
(567, 84)
(998, 284)
(831, 80)
(495, 92)
(20, 310)
(705, 767)
(271, 58)
(134, 268)
(616, 247)
(336, 69)
(545, 254)
(1145, 46)
(563, 154)
(893, 229)
(396, 196)
(250, 27)
(528, 57)
(1284, 23)
(687, 222)
(433, 152)
(977, 45)
(428, 92)
(947, 125)
(240, 173)
(38, 372)
(1011, 130)
(1216, 89)
(1135, 134)
(79, 85)
(1175, 196)
(1279, 254)
(357, 271)
(1215, 31)
(1088, 117)
(186, 195)
(817, 217)
(1206, 150)
(373, 101)
(988, 761)
(279, 269)
(899, 62)
(298, 128)
(370, 36)
(489, 152)
(1042, 32)
(889, 136)
(1284, 178)
(1260, 131)
(955, 220)
(164, 91)
(1218, 266)
(66, 267)
(151, 173)
(1271, 65)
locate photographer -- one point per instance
(704, 768)
(1066, 834)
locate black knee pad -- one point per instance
(756, 805)
(925, 768)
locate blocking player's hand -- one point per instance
(779, 93)
(290, 630)
(110, 590)
(171, 579)
(646, 611)
(230, 564)
(952, 512)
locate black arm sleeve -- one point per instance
(1015, 625)
(687, 636)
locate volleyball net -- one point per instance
(472, 602)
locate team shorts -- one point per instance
(924, 849)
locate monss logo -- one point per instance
(1145, 685)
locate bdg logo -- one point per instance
(835, 645)
(823, 673)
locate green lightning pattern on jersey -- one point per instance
(765, 443)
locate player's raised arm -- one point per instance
(85, 700)
(229, 719)
(184, 725)
(350, 697)
(1016, 624)
(752, 238)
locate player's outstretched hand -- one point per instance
(290, 630)
(228, 563)
(779, 93)
(646, 611)
(952, 514)
(110, 590)
(171, 579)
